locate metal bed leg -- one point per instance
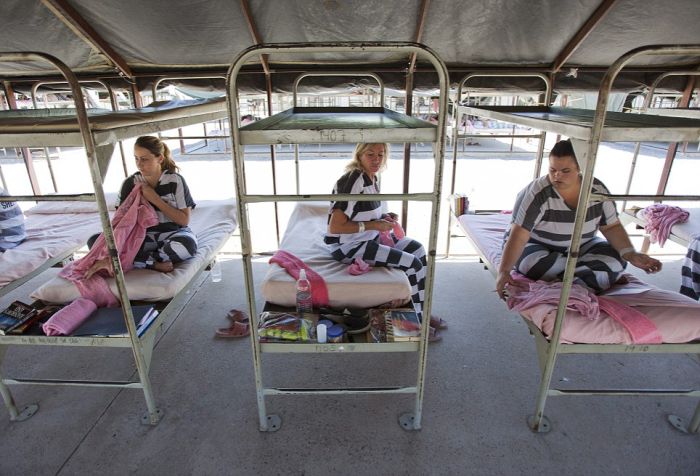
(15, 414)
(153, 414)
(678, 423)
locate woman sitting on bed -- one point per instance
(354, 227)
(543, 220)
(171, 240)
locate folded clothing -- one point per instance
(69, 318)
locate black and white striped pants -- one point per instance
(407, 255)
(598, 266)
(173, 246)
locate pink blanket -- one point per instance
(130, 221)
(526, 294)
(660, 218)
(292, 264)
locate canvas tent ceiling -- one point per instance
(169, 36)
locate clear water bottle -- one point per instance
(304, 303)
(215, 271)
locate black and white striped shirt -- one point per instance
(172, 188)
(540, 210)
(356, 182)
(12, 231)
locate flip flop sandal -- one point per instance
(234, 315)
(437, 323)
(434, 335)
(238, 329)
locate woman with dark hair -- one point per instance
(539, 237)
(171, 240)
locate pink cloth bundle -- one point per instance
(659, 220)
(129, 224)
(385, 236)
(292, 264)
(69, 318)
(359, 267)
(526, 294)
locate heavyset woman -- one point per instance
(354, 227)
(539, 237)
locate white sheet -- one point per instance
(49, 235)
(213, 221)
(304, 239)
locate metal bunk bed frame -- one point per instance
(408, 421)
(99, 146)
(459, 110)
(587, 131)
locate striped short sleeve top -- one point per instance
(355, 182)
(172, 188)
(542, 211)
(12, 231)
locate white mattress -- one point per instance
(304, 239)
(213, 221)
(49, 235)
(682, 231)
(677, 317)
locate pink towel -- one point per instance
(130, 221)
(659, 220)
(641, 328)
(526, 294)
(359, 267)
(292, 264)
(69, 318)
(385, 236)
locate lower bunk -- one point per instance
(675, 317)
(213, 222)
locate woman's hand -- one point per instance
(501, 280)
(645, 262)
(390, 216)
(381, 225)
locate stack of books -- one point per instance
(460, 204)
(402, 325)
(17, 317)
(109, 322)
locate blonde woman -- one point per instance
(354, 227)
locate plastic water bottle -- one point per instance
(304, 303)
(215, 271)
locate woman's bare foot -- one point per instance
(163, 266)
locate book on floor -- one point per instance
(15, 315)
(109, 321)
(402, 325)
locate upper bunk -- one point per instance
(578, 123)
(314, 125)
(691, 112)
(60, 127)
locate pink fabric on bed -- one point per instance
(129, 224)
(642, 330)
(527, 293)
(677, 317)
(659, 220)
(359, 267)
(292, 264)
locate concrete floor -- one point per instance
(481, 384)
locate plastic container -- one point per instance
(215, 271)
(321, 333)
(304, 302)
(327, 322)
(335, 334)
